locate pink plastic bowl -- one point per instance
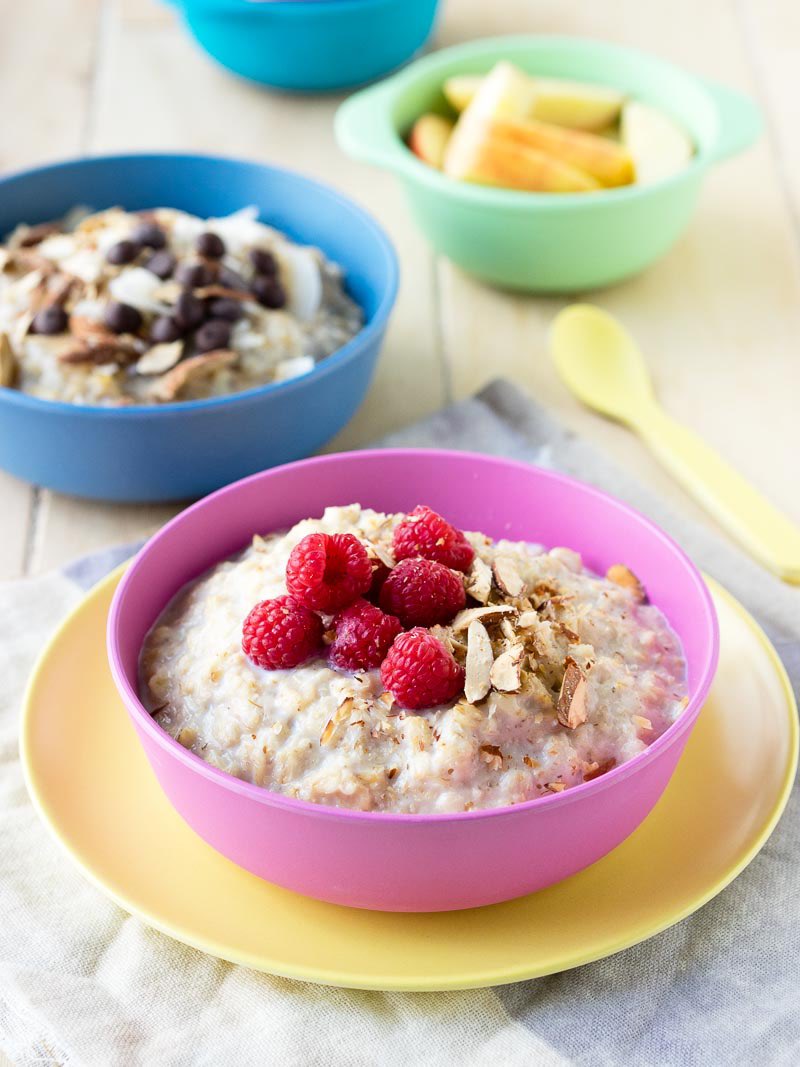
(413, 862)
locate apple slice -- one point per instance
(609, 163)
(658, 145)
(514, 94)
(475, 154)
(428, 138)
(460, 89)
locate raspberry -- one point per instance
(281, 633)
(424, 533)
(419, 672)
(363, 637)
(327, 572)
(421, 592)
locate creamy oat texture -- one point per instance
(70, 269)
(337, 739)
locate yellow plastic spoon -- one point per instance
(600, 363)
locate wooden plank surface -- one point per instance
(718, 318)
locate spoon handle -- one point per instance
(764, 531)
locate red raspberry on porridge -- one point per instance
(522, 673)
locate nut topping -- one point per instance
(170, 384)
(479, 580)
(619, 574)
(479, 662)
(8, 362)
(160, 358)
(571, 706)
(507, 577)
(506, 673)
(491, 613)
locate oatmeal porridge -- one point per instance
(120, 308)
(393, 663)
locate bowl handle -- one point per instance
(740, 121)
(364, 129)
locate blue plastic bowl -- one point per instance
(313, 45)
(175, 451)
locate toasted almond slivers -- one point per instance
(160, 358)
(619, 574)
(170, 384)
(556, 787)
(479, 662)
(506, 673)
(571, 706)
(479, 580)
(8, 362)
(222, 291)
(507, 577)
(642, 722)
(490, 613)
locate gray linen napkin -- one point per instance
(722, 987)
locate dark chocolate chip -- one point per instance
(225, 308)
(215, 334)
(162, 264)
(269, 292)
(263, 261)
(50, 320)
(149, 235)
(193, 275)
(122, 318)
(122, 252)
(210, 245)
(231, 280)
(165, 329)
(189, 311)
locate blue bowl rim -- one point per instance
(367, 333)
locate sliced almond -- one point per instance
(595, 770)
(206, 291)
(86, 329)
(571, 706)
(506, 673)
(619, 574)
(32, 235)
(479, 580)
(115, 351)
(479, 662)
(8, 362)
(170, 384)
(490, 613)
(528, 619)
(492, 755)
(160, 358)
(378, 552)
(507, 577)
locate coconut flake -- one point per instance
(293, 368)
(139, 288)
(303, 280)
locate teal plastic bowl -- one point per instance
(548, 242)
(310, 45)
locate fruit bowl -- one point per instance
(548, 242)
(399, 862)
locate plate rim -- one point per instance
(420, 983)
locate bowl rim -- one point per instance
(144, 721)
(403, 161)
(368, 332)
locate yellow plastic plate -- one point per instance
(94, 789)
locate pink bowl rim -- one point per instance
(575, 793)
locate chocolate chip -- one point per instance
(162, 264)
(149, 235)
(225, 308)
(263, 261)
(193, 275)
(268, 292)
(50, 320)
(165, 329)
(231, 280)
(215, 334)
(122, 252)
(189, 311)
(122, 318)
(209, 244)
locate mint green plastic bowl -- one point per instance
(548, 242)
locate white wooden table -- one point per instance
(719, 318)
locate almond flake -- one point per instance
(642, 722)
(556, 787)
(479, 580)
(492, 755)
(380, 553)
(507, 577)
(506, 673)
(571, 706)
(490, 613)
(595, 770)
(479, 662)
(170, 384)
(206, 291)
(8, 362)
(528, 619)
(116, 351)
(619, 574)
(160, 358)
